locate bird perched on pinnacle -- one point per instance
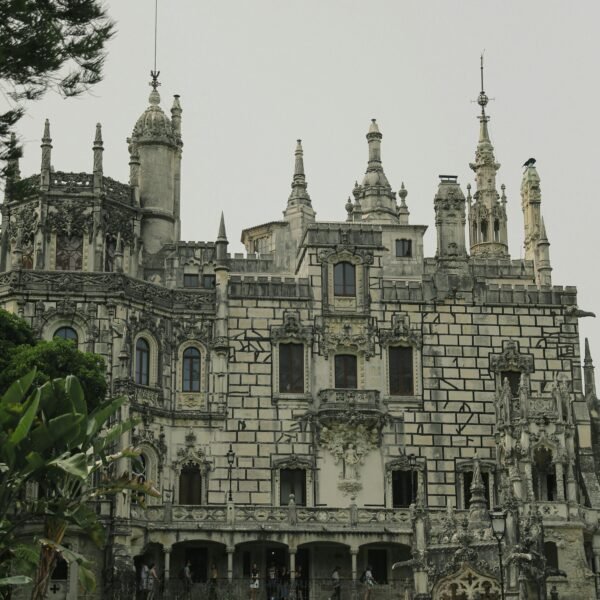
(529, 162)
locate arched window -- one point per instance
(190, 485)
(544, 475)
(142, 362)
(344, 279)
(191, 370)
(484, 231)
(66, 333)
(551, 554)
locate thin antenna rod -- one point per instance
(156, 32)
(482, 88)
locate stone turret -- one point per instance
(375, 196)
(487, 214)
(221, 245)
(156, 144)
(450, 220)
(299, 212)
(537, 246)
(98, 149)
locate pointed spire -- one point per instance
(478, 505)
(487, 217)
(589, 376)
(46, 158)
(176, 115)
(543, 235)
(299, 195)
(98, 149)
(222, 235)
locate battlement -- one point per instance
(269, 287)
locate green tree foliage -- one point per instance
(54, 359)
(49, 436)
(48, 44)
(20, 354)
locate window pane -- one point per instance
(345, 371)
(401, 371)
(344, 280)
(402, 488)
(209, 281)
(190, 485)
(191, 281)
(404, 248)
(142, 362)
(292, 481)
(66, 333)
(291, 368)
(191, 370)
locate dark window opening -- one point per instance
(496, 230)
(209, 282)
(484, 231)
(69, 253)
(344, 279)
(551, 554)
(61, 570)
(468, 481)
(191, 280)
(142, 362)
(544, 476)
(110, 248)
(401, 371)
(291, 368)
(246, 563)
(66, 333)
(404, 488)
(404, 248)
(514, 381)
(191, 370)
(377, 559)
(190, 485)
(345, 371)
(292, 481)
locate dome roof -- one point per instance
(154, 123)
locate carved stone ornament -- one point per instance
(349, 445)
(510, 359)
(293, 461)
(23, 222)
(400, 332)
(190, 455)
(292, 329)
(118, 220)
(339, 333)
(467, 583)
(70, 218)
(193, 329)
(345, 253)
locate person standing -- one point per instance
(188, 582)
(369, 582)
(144, 581)
(284, 584)
(336, 584)
(272, 581)
(153, 583)
(214, 580)
(254, 582)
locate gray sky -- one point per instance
(254, 75)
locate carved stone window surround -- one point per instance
(190, 455)
(292, 461)
(402, 463)
(192, 400)
(486, 466)
(153, 363)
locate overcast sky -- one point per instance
(254, 75)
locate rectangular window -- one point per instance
(401, 371)
(404, 488)
(345, 371)
(344, 279)
(191, 281)
(209, 282)
(291, 368)
(404, 248)
(468, 481)
(292, 481)
(377, 558)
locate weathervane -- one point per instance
(482, 99)
(153, 72)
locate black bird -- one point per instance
(529, 162)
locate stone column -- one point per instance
(167, 552)
(596, 552)
(230, 551)
(354, 557)
(571, 484)
(292, 553)
(560, 481)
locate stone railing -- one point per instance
(349, 397)
(249, 516)
(139, 394)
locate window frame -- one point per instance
(74, 256)
(187, 383)
(392, 349)
(291, 363)
(404, 248)
(344, 374)
(193, 494)
(346, 288)
(142, 377)
(298, 500)
(70, 339)
(188, 278)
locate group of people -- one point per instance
(149, 582)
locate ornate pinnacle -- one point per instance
(154, 83)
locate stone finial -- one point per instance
(222, 235)
(477, 506)
(98, 149)
(176, 115)
(299, 195)
(46, 158)
(589, 376)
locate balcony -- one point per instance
(252, 517)
(362, 406)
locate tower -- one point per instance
(155, 149)
(487, 214)
(375, 197)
